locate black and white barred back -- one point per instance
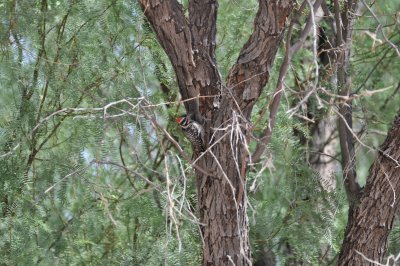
(193, 131)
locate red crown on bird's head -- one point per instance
(179, 119)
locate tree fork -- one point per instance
(190, 45)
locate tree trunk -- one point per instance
(221, 170)
(372, 220)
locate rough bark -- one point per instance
(222, 197)
(371, 210)
(190, 46)
(369, 225)
(191, 49)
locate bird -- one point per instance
(193, 131)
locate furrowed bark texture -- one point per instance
(371, 222)
(222, 197)
(190, 46)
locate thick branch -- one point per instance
(371, 222)
(190, 47)
(222, 198)
(251, 71)
(203, 18)
(173, 33)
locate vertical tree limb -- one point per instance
(344, 28)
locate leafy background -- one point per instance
(87, 177)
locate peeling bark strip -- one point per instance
(190, 46)
(371, 222)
